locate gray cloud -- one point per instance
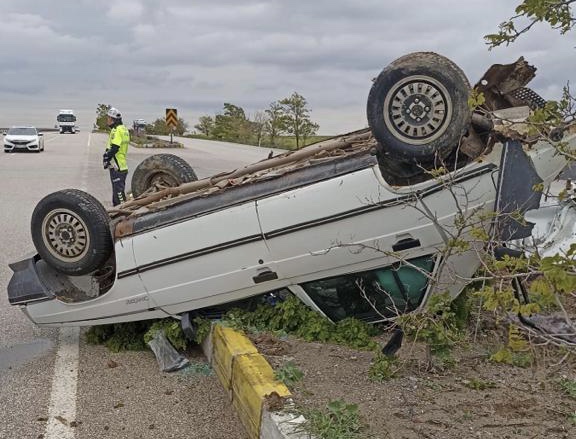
(145, 55)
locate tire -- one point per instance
(159, 171)
(71, 232)
(418, 107)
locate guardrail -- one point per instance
(38, 128)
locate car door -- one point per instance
(343, 224)
(205, 260)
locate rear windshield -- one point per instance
(23, 131)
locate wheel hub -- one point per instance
(65, 234)
(417, 110)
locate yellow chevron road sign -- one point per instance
(171, 117)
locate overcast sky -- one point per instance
(143, 56)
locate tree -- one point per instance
(297, 118)
(101, 118)
(308, 129)
(276, 121)
(205, 125)
(232, 125)
(557, 13)
(159, 127)
(259, 125)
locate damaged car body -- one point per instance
(355, 226)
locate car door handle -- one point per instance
(405, 244)
(265, 276)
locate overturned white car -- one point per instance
(359, 225)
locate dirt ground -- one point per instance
(443, 402)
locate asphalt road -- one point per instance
(54, 385)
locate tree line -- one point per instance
(289, 116)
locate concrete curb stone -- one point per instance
(251, 386)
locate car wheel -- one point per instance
(71, 232)
(160, 171)
(418, 107)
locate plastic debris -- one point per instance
(169, 359)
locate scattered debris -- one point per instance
(555, 326)
(168, 358)
(274, 402)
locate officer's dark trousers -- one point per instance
(118, 179)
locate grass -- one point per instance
(568, 386)
(339, 420)
(289, 374)
(478, 384)
(152, 141)
(282, 142)
(289, 142)
(383, 368)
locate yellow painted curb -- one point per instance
(228, 344)
(247, 377)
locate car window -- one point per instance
(373, 295)
(22, 131)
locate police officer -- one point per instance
(114, 159)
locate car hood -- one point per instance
(12, 138)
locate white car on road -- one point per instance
(361, 225)
(23, 139)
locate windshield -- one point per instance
(22, 131)
(66, 118)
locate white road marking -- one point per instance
(84, 180)
(50, 139)
(62, 407)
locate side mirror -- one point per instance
(40, 134)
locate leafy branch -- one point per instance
(558, 14)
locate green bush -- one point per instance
(134, 336)
(293, 317)
(171, 329)
(119, 336)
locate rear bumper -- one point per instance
(25, 285)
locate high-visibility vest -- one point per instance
(120, 136)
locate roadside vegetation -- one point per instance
(285, 124)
